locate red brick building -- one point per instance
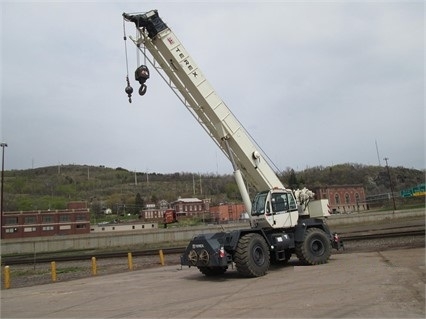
(191, 207)
(343, 198)
(184, 207)
(45, 223)
(227, 212)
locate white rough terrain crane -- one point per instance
(282, 221)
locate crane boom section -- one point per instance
(200, 97)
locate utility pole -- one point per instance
(390, 182)
(193, 184)
(3, 145)
(378, 156)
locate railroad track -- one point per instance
(49, 257)
(412, 230)
(45, 258)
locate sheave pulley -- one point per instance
(141, 75)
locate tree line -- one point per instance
(53, 187)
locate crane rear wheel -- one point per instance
(315, 248)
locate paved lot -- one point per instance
(388, 284)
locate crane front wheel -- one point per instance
(252, 256)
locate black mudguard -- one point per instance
(207, 250)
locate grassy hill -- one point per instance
(101, 187)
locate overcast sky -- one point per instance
(313, 82)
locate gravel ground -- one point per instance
(38, 274)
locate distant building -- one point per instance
(184, 207)
(45, 223)
(152, 214)
(190, 207)
(163, 204)
(108, 227)
(227, 212)
(343, 198)
(77, 205)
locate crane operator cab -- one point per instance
(276, 208)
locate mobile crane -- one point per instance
(282, 222)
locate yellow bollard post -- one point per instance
(161, 257)
(53, 268)
(6, 277)
(94, 270)
(130, 261)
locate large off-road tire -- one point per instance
(252, 256)
(212, 271)
(315, 248)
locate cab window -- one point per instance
(258, 207)
(279, 202)
(292, 202)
